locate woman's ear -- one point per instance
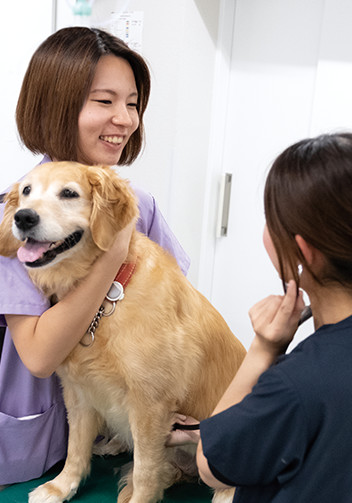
(305, 248)
(311, 254)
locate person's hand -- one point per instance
(183, 437)
(275, 318)
(120, 246)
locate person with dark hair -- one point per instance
(83, 99)
(282, 430)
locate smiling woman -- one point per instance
(83, 99)
(85, 75)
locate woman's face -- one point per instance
(109, 115)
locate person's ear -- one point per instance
(306, 249)
(311, 254)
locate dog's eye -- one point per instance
(27, 190)
(68, 194)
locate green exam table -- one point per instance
(101, 485)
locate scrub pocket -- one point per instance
(30, 446)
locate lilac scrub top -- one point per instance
(33, 427)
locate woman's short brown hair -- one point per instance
(57, 83)
(308, 192)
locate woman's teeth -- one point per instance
(116, 140)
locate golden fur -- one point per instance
(165, 349)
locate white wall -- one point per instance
(24, 26)
(332, 107)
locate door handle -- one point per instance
(224, 205)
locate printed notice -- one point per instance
(128, 26)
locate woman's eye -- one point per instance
(133, 105)
(68, 194)
(105, 102)
(27, 190)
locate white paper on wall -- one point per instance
(128, 26)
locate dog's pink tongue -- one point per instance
(32, 250)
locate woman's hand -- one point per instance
(275, 321)
(183, 437)
(275, 318)
(119, 249)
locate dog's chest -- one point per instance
(105, 394)
(112, 405)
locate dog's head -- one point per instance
(60, 206)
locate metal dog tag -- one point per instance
(116, 292)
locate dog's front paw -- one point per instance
(50, 493)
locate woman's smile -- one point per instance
(115, 140)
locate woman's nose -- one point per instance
(121, 117)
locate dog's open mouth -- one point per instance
(40, 253)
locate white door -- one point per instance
(289, 76)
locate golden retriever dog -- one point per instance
(165, 349)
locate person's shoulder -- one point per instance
(145, 198)
(298, 358)
(301, 369)
(146, 207)
(152, 223)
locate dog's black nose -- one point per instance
(26, 219)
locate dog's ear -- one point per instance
(8, 243)
(113, 205)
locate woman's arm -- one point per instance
(275, 320)
(43, 342)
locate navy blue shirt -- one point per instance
(290, 440)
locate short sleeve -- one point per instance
(152, 223)
(17, 293)
(260, 440)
